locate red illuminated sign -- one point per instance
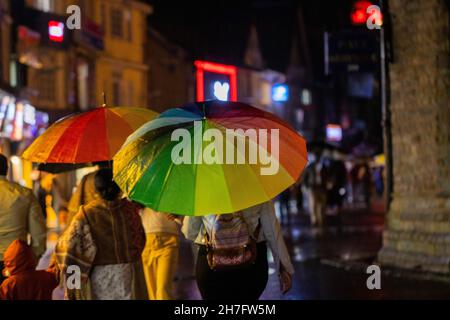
(204, 66)
(359, 12)
(56, 31)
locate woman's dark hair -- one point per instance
(3, 165)
(105, 185)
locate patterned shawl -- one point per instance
(101, 233)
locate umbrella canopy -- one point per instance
(83, 138)
(209, 158)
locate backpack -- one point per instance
(231, 244)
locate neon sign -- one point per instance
(221, 90)
(280, 93)
(56, 31)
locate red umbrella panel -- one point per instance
(87, 137)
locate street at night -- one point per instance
(263, 152)
(332, 264)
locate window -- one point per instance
(129, 25)
(83, 87)
(103, 17)
(1, 53)
(130, 93)
(13, 73)
(116, 23)
(45, 85)
(116, 93)
(44, 5)
(116, 88)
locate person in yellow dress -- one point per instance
(160, 256)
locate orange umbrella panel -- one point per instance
(91, 136)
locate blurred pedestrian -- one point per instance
(84, 193)
(232, 257)
(378, 180)
(313, 182)
(336, 183)
(20, 216)
(51, 199)
(285, 198)
(299, 196)
(160, 256)
(23, 281)
(105, 240)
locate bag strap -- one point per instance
(254, 235)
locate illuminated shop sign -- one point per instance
(56, 31)
(19, 120)
(215, 81)
(280, 93)
(334, 133)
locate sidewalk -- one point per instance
(330, 263)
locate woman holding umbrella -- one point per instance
(175, 164)
(105, 240)
(217, 277)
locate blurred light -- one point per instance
(359, 17)
(56, 31)
(359, 12)
(15, 160)
(205, 66)
(298, 256)
(29, 115)
(13, 73)
(334, 132)
(221, 90)
(280, 92)
(300, 115)
(380, 160)
(306, 97)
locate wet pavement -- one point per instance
(320, 256)
(324, 260)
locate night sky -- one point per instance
(218, 30)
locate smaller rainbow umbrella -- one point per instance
(87, 137)
(209, 158)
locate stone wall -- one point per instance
(417, 233)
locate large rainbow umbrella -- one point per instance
(87, 137)
(176, 164)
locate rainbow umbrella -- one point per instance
(87, 137)
(200, 159)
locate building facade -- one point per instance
(170, 74)
(5, 41)
(50, 67)
(105, 55)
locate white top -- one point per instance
(157, 222)
(194, 229)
